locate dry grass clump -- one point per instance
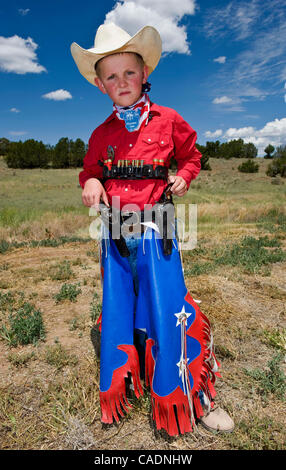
(78, 436)
(48, 225)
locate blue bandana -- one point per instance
(135, 115)
(131, 118)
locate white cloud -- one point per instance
(220, 60)
(23, 12)
(58, 95)
(223, 100)
(18, 133)
(258, 68)
(164, 15)
(274, 132)
(14, 110)
(237, 18)
(243, 132)
(229, 104)
(213, 135)
(18, 55)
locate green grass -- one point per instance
(95, 307)
(251, 255)
(25, 326)
(272, 380)
(68, 292)
(54, 242)
(61, 271)
(38, 195)
(40, 189)
(256, 433)
(274, 221)
(276, 338)
(58, 357)
(11, 301)
(21, 359)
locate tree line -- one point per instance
(69, 154)
(35, 154)
(236, 148)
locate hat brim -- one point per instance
(146, 42)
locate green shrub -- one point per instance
(68, 292)
(4, 246)
(248, 167)
(25, 326)
(277, 167)
(205, 163)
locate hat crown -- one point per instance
(110, 37)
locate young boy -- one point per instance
(146, 307)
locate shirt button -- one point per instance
(149, 140)
(126, 189)
(130, 145)
(162, 141)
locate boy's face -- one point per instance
(121, 78)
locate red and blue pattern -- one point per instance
(179, 361)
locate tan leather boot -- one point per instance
(217, 420)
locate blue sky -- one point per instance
(223, 67)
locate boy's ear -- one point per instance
(100, 85)
(145, 73)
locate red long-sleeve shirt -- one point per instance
(167, 134)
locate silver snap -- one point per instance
(130, 145)
(162, 141)
(126, 189)
(149, 140)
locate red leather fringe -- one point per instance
(99, 321)
(202, 368)
(149, 362)
(172, 412)
(114, 401)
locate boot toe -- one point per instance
(217, 420)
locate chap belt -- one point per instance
(135, 169)
(120, 224)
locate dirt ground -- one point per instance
(55, 405)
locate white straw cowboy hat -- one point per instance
(111, 39)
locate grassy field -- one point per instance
(50, 288)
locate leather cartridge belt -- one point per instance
(134, 169)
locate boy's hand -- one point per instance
(179, 187)
(93, 192)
